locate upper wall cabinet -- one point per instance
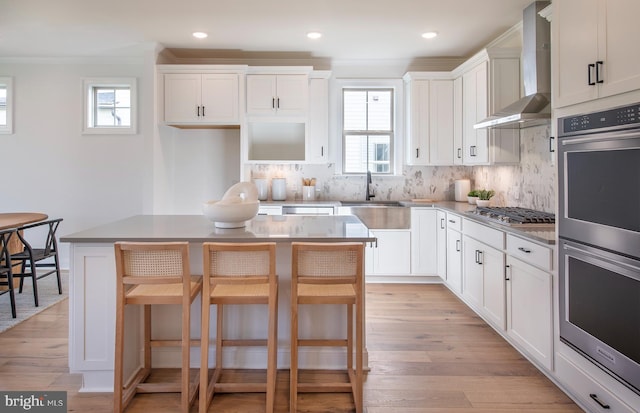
(490, 82)
(594, 52)
(430, 118)
(192, 98)
(277, 95)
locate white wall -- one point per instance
(49, 166)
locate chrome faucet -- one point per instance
(369, 192)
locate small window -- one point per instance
(368, 130)
(110, 106)
(6, 105)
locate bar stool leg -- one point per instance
(272, 348)
(293, 379)
(358, 396)
(204, 357)
(119, 357)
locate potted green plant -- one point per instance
(472, 196)
(484, 197)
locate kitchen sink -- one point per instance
(370, 203)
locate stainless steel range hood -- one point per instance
(535, 108)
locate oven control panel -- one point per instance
(612, 118)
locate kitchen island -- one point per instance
(92, 293)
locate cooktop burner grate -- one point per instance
(517, 215)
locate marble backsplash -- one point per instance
(529, 184)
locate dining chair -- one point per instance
(238, 274)
(43, 256)
(6, 273)
(328, 274)
(153, 273)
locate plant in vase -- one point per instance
(484, 197)
(472, 196)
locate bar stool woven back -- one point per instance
(238, 273)
(328, 273)
(153, 274)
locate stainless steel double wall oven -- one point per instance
(599, 245)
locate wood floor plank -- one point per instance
(428, 353)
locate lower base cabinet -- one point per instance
(454, 260)
(391, 255)
(530, 310)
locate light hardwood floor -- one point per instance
(427, 353)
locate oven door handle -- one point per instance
(600, 138)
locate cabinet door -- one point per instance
(472, 273)
(441, 242)
(317, 137)
(424, 257)
(392, 255)
(530, 310)
(475, 108)
(457, 121)
(494, 295)
(292, 97)
(618, 29)
(220, 96)
(418, 143)
(575, 30)
(441, 110)
(454, 260)
(182, 98)
(261, 94)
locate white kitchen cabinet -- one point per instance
(594, 53)
(530, 309)
(201, 98)
(277, 94)
(457, 121)
(454, 252)
(424, 254)
(483, 285)
(430, 119)
(317, 138)
(391, 255)
(490, 82)
(441, 244)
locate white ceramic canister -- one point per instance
(279, 189)
(263, 188)
(309, 193)
(462, 188)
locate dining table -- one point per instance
(16, 220)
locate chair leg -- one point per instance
(186, 350)
(34, 278)
(203, 403)
(12, 298)
(359, 396)
(272, 349)
(23, 267)
(57, 263)
(119, 357)
(293, 373)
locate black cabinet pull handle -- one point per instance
(590, 68)
(459, 153)
(441, 223)
(599, 64)
(198, 110)
(506, 268)
(525, 250)
(472, 151)
(322, 151)
(203, 111)
(278, 103)
(480, 260)
(595, 398)
(452, 221)
(273, 103)
(417, 152)
(551, 148)
(457, 245)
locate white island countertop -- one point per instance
(197, 228)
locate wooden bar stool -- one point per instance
(328, 273)
(149, 274)
(238, 273)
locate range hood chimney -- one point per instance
(534, 108)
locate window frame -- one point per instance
(88, 105)
(8, 128)
(337, 141)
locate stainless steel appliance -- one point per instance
(515, 216)
(599, 231)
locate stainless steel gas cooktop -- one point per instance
(515, 216)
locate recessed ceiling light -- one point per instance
(314, 35)
(429, 35)
(200, 35)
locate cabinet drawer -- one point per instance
(587, 389)
(483, 233)
(454, 222)
(530, 252)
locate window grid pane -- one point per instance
(112, 107)
(367, 130)
(3, 105)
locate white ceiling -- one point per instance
(353, 29)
